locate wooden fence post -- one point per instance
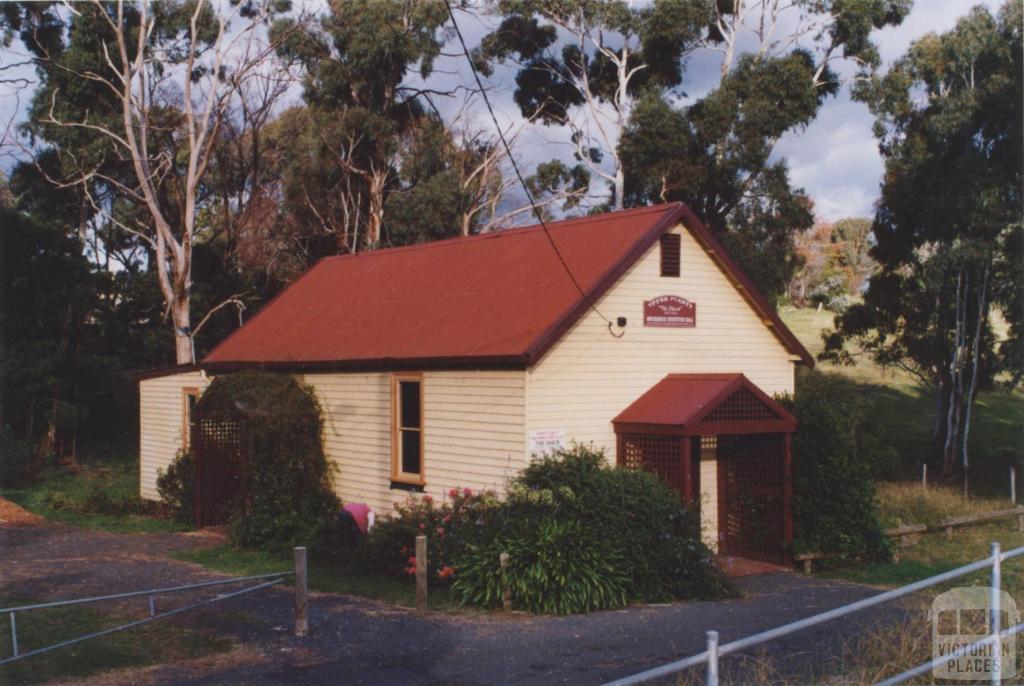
(421, 573)
(506, 592)
(301, 591)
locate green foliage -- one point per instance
(638, 515)
(99, 502)
(558, 567)
(948, 226)
(463, 519)
(834, 502)
(581, 536)
(177, 487)
(289, 500)
(20, 462)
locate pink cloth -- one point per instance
(361, 513)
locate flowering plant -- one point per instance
(461, 518)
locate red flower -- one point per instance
(453, 493)
(445, 572)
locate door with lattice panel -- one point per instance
(220, 454)
(750, 496)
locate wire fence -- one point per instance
(711, 657)
(265, 581)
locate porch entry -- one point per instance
(220, 448)
(687, 420)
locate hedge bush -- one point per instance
(640, 516)
(581, 536)
(835, 508)
(288, 480)
(177, 487)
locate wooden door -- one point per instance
(750, 497)
(219, 448)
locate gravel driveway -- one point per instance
(357, 641)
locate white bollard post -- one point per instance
(995, 607)
(712, 658)
(1013, 484)
(924, 475)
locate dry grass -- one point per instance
(909, 503)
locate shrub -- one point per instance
(290, 499)
(638, 515)
(560, 567)
(464, 518)
(177, 487)
(834, 501)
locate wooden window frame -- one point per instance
(186, 418)
(397, 475)
(677, 239)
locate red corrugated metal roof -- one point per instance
(683, 400)
(498, 299)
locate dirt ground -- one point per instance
(14, 514)
(358, 641)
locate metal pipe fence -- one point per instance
(266, 580)
(715, 651)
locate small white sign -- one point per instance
(543, 441)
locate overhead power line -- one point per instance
(515, 168)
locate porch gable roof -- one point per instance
(705, 404)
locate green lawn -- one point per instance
(155, 643)
(70, 495)
(329, 576)
(904, 411)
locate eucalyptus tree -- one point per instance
(132, 102)
(582, 64)
(777, 64)
(948, 231)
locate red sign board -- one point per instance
(670, 311)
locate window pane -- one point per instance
(410, 452)
(410, 409)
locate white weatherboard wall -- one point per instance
(709, 495)
(162, 423)
(473, 431)
(589, 376)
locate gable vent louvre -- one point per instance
(671, 246)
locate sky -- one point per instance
(835, 159)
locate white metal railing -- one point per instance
(714, 652)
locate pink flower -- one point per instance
(467, 492)
(427, 499)
(423, 526)
(440, 531)
(453, 493)
(412, 561)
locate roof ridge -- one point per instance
(502, 233)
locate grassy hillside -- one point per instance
(904, 412)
